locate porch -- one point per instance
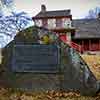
(89, 44)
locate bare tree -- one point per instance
(93, 13)
(11, 24)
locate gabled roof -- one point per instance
(87, 28)
(57, 13)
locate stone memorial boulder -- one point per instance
(37, 63)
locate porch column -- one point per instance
(68, 36)
(83, 45)
(90, 45)
(99, 44)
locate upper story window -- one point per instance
(38, 22)
(66, 23)
(51, 23)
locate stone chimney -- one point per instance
(69, 11)
(43, 8)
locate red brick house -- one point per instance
(83, 34)
(59, 21)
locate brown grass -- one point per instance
(16, 95)
(94, 63)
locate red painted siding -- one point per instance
(59, 22)
(89, 45)
(63, 37)
(44, 22)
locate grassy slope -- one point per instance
(94, 63)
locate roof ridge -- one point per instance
(58, 10)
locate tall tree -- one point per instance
(93, 13)
(11, 24)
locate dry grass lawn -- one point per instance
(94, 63)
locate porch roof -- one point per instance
(86, 28)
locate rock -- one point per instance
(74, 74)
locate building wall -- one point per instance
(54, 23)
(89, 44)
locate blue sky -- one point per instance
(79, 8)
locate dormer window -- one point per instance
(51, 23)
(66, 23)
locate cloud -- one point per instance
(78, 7)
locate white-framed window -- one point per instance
(66, 23)
(51, 23)
(38, 22)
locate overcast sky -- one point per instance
(79, 8)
